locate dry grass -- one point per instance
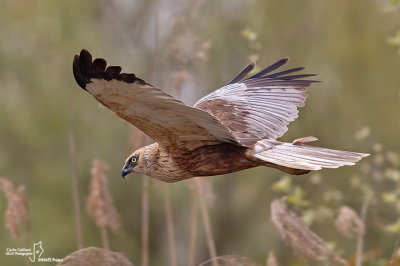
(95, 256)
(16, 215)
(299, 237)
(99, 203)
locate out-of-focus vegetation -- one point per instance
(352, 44)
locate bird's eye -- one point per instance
(133, 160)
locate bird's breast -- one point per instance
(212, 160)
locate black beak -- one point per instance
(125, 171)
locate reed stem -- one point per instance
(170, 226)
(75, 191)
(145, 222)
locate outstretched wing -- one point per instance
(163, 118)
(261, 106)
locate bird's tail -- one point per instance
(298, 158)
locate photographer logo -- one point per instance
(34, 254)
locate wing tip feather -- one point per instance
(85, 69)
(244, 72)
(78, 74)
(267, 75)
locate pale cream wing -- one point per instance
(261, 106)
(163, 118)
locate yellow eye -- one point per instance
(133, 159)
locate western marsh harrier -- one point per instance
(228, 130)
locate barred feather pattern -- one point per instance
(261, 106)
(301, 156)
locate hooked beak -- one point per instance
(126, 170)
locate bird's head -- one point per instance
(136, 162)
(130, 164)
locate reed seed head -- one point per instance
(299, 237)
(16, 215)
(99, 203)
(348, 223)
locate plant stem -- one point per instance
(393, 259)
(170, 226)
(206, 221)
(104, 237)
(193, 229)
(75, 192)
(145, 221)
(361, 234)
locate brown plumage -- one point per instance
(228, 130)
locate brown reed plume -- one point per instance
(299, 237)
(99, 203)
(271, 259)
(350, 225)
(348, 222)
(16, 215)
(95, 256)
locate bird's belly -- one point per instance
(214, 160)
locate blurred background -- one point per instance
(190, 48)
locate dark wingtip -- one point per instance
(85, 69)
(271, 68)
(82, 68)
(85, 62)
(99, 66)
(283, 75)
(80, 79)
(243, 73)
(285, 60)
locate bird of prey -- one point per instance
(231, 129)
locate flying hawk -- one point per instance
(228, 130)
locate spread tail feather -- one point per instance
(300, 156)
